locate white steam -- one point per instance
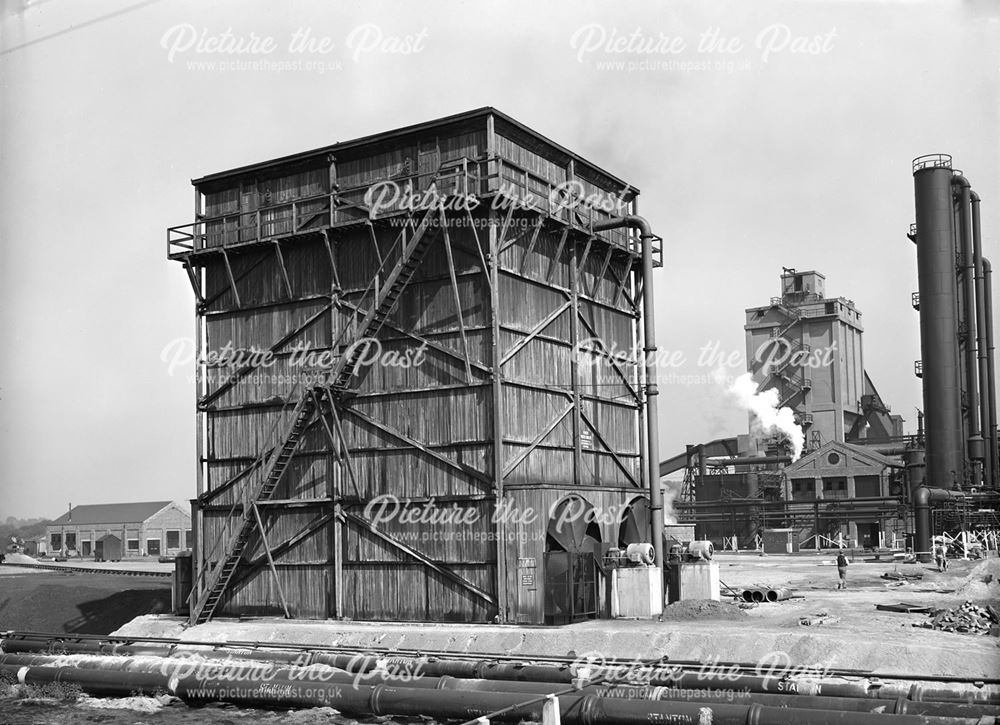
(671, 492)
(766, 413)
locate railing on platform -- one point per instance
(496, 178)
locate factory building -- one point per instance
(155, 528)
(861, 481)
(407, 403)
(845, 493)
(808, 347)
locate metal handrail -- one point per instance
(932, 161)
(191, 236)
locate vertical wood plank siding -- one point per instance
(421, 432)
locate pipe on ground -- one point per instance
(778, 595)
(384, 700)
(420, 672)
(528, 689)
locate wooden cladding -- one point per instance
(508, 360)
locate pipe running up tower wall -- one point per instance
(984, 319)
(991, 388)
(646, 238)
(970, 262)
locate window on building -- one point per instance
(834, 488)
(173, 539)
(153, 547)
(55, 542)
(70, 539)
(867, 486)
(133, 545)
(803, 489)
(187, 539)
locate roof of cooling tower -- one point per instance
(409, 130)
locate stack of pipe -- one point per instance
(765, 594)
(468, 689)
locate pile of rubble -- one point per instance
(967, 619)
(899, 576)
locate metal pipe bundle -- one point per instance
(283, 688)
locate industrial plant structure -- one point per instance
(808, 349)
(408, 407)
(957, 363)
(861, 481)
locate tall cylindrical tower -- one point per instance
(936, 257)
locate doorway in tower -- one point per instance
(572, 545)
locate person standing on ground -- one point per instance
(941, 556)
(841, 570)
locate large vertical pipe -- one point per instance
(982, 355)
(972, 414)
(991, 388)
(938, 323)
(652, 391)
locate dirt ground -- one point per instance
(854, 635)
(813, 579)
(145, 563)
(84, 603)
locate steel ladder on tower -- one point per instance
(385, 300)
(223, 573)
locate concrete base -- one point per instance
(932, 655)
(700, 580)
(637, 592)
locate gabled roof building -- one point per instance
(150, 528)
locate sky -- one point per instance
(761, 135)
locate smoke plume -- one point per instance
(766, 413)
(671, 491)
